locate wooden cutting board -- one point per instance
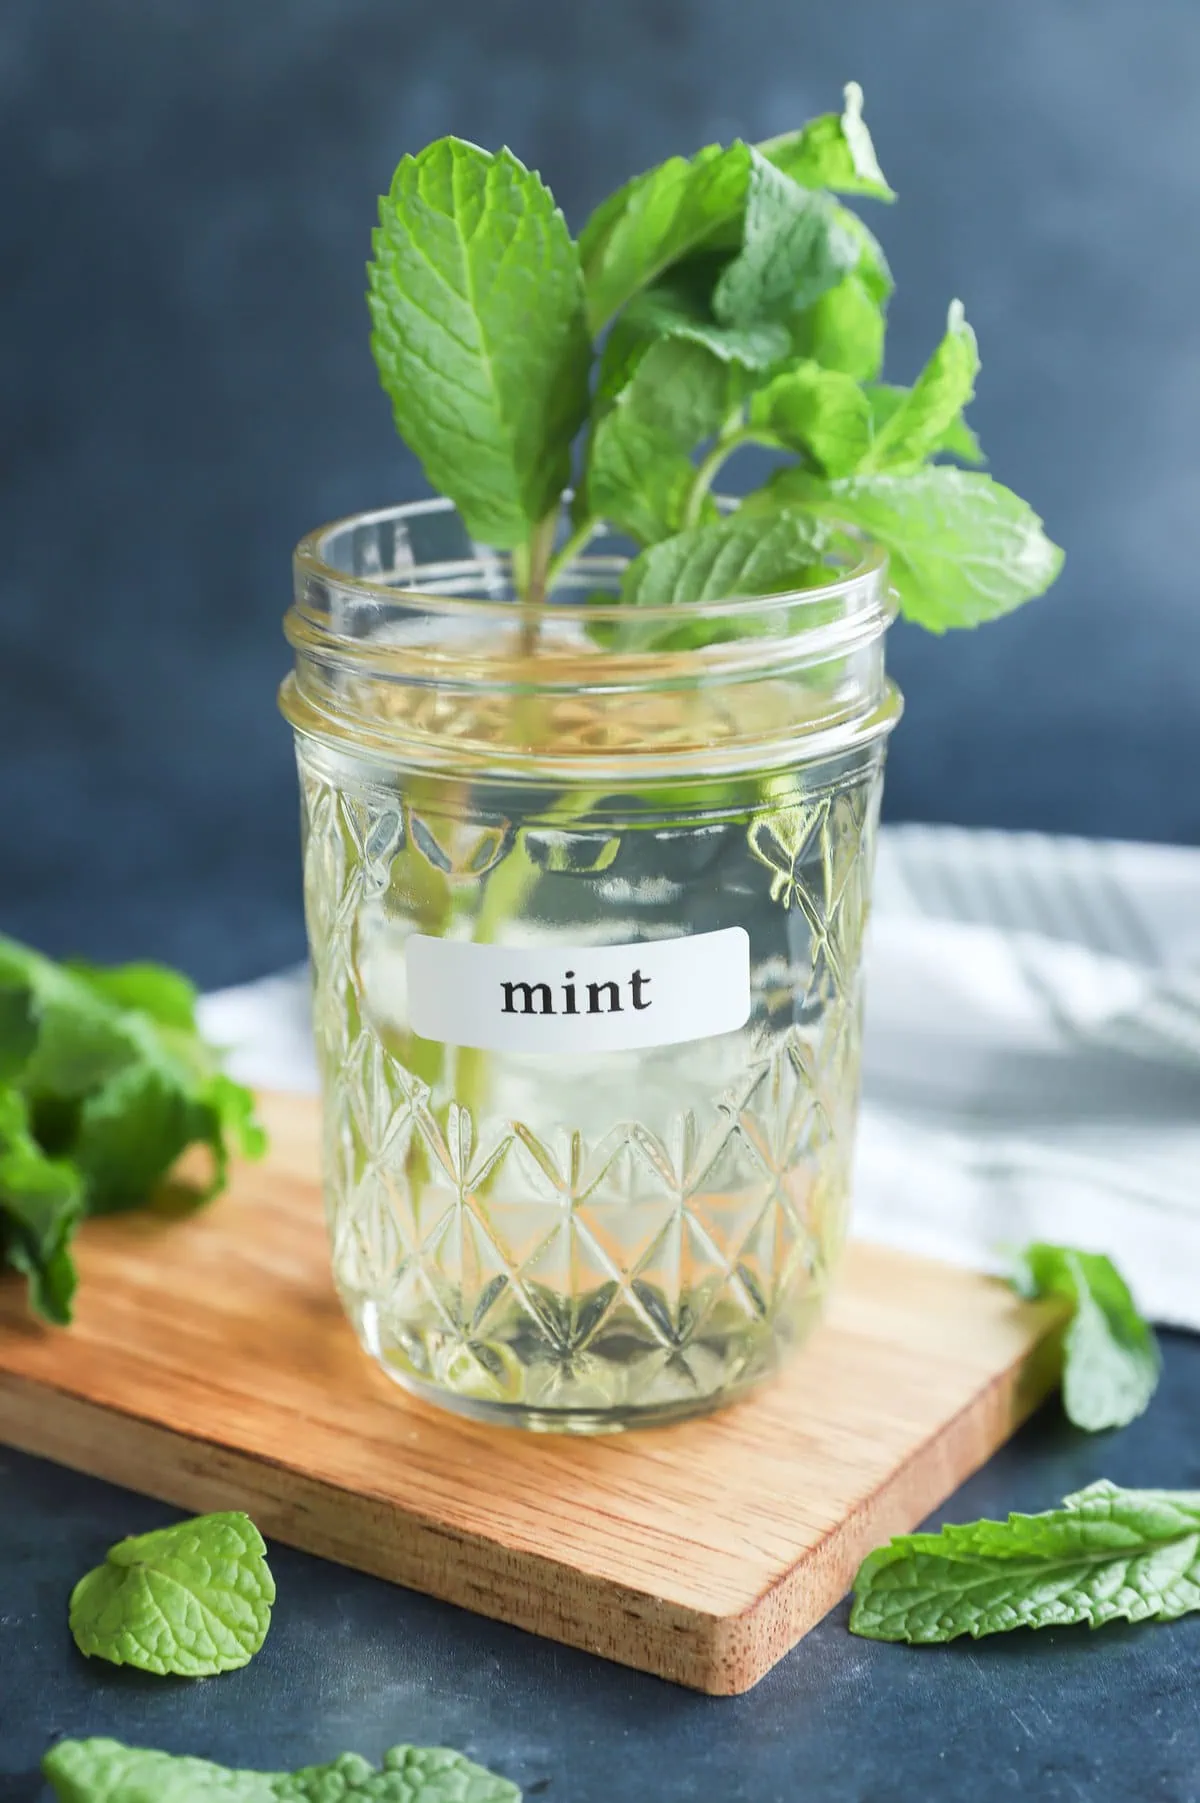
(210, 1365)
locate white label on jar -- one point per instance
(610, 998)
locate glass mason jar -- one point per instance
(586, 928)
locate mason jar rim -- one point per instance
(445, 679)
(311, 561)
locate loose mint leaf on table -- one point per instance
(1111, 1361)
(1106, 1555)
(821, 412)
(479, 333)
(962, 548)
(833, 151)
(408, 1775)
(104, 1771)
(916, 426)
(794, 248)
(192, 1600)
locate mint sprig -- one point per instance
(737, 302)
(104, 1082)
(105, 1771)
(1106, 1555)
(1111, 1360)
(189, 1600)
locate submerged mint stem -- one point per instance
(532, 573)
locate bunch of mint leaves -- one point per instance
(715, 301)
(104, 1082)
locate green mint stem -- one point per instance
(531, 564)
(578, 542)
(707, 469)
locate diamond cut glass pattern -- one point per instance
(584, 1240)
(593, 1240)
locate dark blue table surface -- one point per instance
(355, 1663)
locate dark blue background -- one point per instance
(187, 386)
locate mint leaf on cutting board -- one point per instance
(104, 1081)
(190, 1600)
(41, 1203)
(1106, 1555)
(1111, 1361)
(479, 333)
(104, 1771)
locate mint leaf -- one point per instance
(80, 1039)
(963, 549)
(872, 267)
(408, 1775)
(675, 309)
(793, 249)
(118, 1082)
(657, 219)
(1111, 1360)
(104, 1771)
(820, 412)
(639, 473)
(41, 1202)
(479, 333)
(834, 151)
(917, 425)
(165, 995)
(193, 1599)
(131, 1132)
(18, 1029)
(843, 330)
(1107, 1555)
(730, 560)
(958, 440)
(691, 203)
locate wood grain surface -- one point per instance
(210, 1365)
